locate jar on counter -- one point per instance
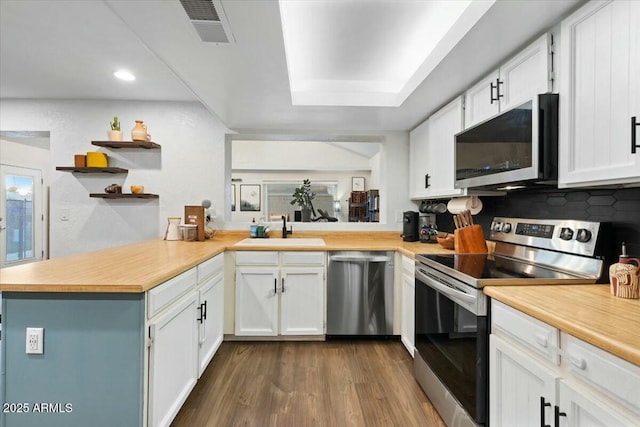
(189, 232)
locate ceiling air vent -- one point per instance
(209, 20)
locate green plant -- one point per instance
(115, 125)
(303, 196)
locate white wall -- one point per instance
(298, 155)
(187, 169)
(190, 167)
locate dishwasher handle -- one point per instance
(359, 258)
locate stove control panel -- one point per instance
(576, 237)
(544, 231)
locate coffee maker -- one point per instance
(410, 226)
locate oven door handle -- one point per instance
(444, 288)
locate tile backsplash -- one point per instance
(620, 207)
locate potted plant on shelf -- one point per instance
(115, 134)
(303, 197)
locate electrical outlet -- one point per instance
(35, 341)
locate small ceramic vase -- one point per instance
(139, 132)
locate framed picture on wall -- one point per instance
(250, 197)
(233, 197)
(357, 183)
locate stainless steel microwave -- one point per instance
(516, 148)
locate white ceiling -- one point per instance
(369, 53)
(69, 49)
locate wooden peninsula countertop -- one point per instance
(141, 266)
(588, 312)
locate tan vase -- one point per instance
(115, 135)
(139, 132)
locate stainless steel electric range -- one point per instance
(451, 312)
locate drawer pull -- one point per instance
(541, 340)
(578, 362)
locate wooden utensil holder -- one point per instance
(470, 240)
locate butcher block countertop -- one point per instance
(141, 266)
(588, 312)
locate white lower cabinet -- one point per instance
(256, 301)
(517, 385)
(211, 318)
(540, 376)
(173, 359)
(302, 301)
(407, 328)
(280, 293)
(580, 407)
(184, 330)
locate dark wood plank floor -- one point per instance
(333, 383)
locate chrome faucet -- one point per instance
(285, 232)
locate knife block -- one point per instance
(470, 240)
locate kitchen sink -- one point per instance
(279, 241)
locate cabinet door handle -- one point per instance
(203, 326)
(498, 94)
(283, 285)
(200, 309)
(275, 286)
(426, 181)
(634, 131)
(557, 414)
(543, 405)
(497, 88)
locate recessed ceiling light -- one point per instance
(124, 75)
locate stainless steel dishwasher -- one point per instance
(360, 293)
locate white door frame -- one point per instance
(37, 198)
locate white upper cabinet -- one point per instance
(600, 95)
(432, 151)
(418, 156)
(521, 78)
(480, 102)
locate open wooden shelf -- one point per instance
(124, 195)
(90, 170)
(126, 144)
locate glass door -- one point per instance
(21, 220)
